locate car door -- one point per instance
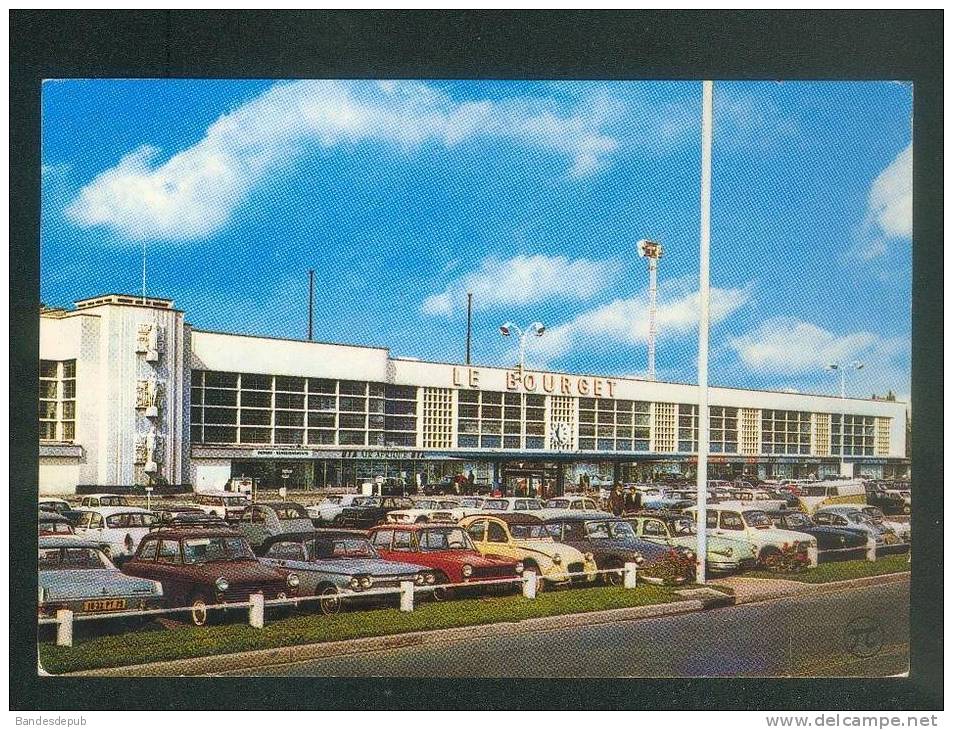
(654, 531)
(253, 525)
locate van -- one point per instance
(816, 495)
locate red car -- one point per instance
(447, 549)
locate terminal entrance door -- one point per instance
(531, 479)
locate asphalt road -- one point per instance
(856, 632)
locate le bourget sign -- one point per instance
(541, 383)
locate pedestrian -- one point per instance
(617, 501)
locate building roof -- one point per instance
(133, 299)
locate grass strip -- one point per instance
(845, 570)
(157, 644)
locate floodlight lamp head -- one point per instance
(833, 366)
(506, 329)
(649, 249)
(538, 328)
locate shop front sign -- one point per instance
(529, 382)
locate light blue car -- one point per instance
(75, 574)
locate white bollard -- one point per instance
(871, 550)
(629, 575)
(812, 556)
(64, 627)
(530, 580)
(256, 612)
(406, 595)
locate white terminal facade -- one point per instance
(131, 394)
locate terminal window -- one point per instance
(57, 402)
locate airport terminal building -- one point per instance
(131, 394)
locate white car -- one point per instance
(750, 524)
(512, 504)
(902, 529)
(422, 511)
(330, 507)
(572, 502)
(103, 500)
(119, 528)
(465, 507)
(227, 505)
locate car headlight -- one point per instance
(367, 581)
(354, 584)
(430, 578)
(690, 554)
(293, 580)
(419, 579)
(467, 571)
(519, 567)
(639, 559)
(588, 557)
(557, 559)
(221, 584)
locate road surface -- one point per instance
(856, 632)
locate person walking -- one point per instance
(617, 500)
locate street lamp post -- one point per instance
(536, 328)
(652, 251)
(842, 369)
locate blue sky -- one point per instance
(404, 195)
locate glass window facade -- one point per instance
(243, 408)
(614, 425)
(723, 433)
(687, 427)
(858, 434)
(57, 406)
(785, 432)
(493, 420)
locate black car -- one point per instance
(365, 512)
(853, 542)
(891, 502)
(612, 542)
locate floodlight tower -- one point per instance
(652, 251)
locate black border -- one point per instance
(468, 44)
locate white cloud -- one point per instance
(524, 280)
(626, 321)
(194, 192)
(788, 346)
(889, 207)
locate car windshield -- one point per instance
(112, 502)
(428, 504)
(682, 527)
(444, 538)
(54, 528)
(290, 512)
(859, 518)
(496, 505)
(471, 502)
(530, 532)
(130, 519)
(367, 502)
(558, 504)
(875, 513)
(332, 500)
(345, 547)
(757, 518)
(200, 550)
(72, 558)
(234, 501)
(798, 520)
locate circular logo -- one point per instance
(864, 636)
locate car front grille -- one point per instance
(497, 571)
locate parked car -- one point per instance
(76, 575)
(202, 567)
(901, 529)
(890, 501)
(852, 516)
(422, 511)
(742, 521)
(190, 519)
(261, 520)
(612, 543)
(465, 507)
(582, 504)
(669, 499)
(675, 529)
(762, 499)
(324, 512)
(828, 537)
(166, 513)
(59, 506)
(365, 512)
(120, 528)
(512, 504)
(338, 564)
(103, 500)
(524, 537)
(227, 505)
(51, 523)
(447, 550)
(831, 492)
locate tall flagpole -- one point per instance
(704, 296)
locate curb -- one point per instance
(220, 663)
(798, 588)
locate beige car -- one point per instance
(524, 537)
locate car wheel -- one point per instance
(613, 579)
(329, 606)
(199, 612)
(440, 593)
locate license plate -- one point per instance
(105, 604)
